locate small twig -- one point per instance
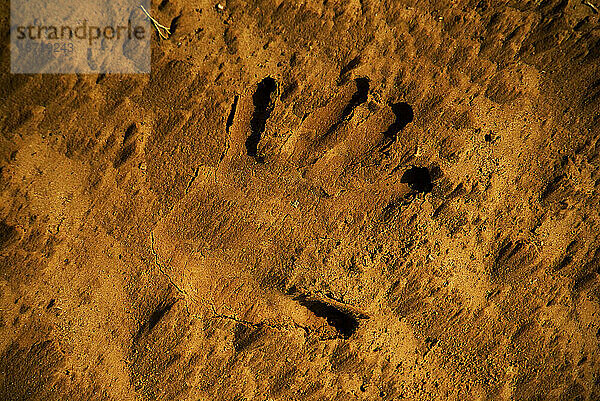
(591, 5)
(157, 25)
(162, 270)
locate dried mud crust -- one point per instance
(310, 200)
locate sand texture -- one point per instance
(310, 200)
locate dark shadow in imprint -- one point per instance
(231, 115)
(124, 154)
(157, 315)
(418, 179)
(130, 132)
(355, 62)
(244, 336)
(163, 4)
(263, 100)
(344, 323)
(8, 234)
(404, 115)
(174, 24)
(359, 97)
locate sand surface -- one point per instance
(312, 200)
